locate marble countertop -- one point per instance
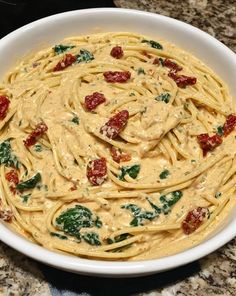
(212, 275)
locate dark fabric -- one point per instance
(16, 13)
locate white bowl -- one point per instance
(49, 31)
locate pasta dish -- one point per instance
(114, 146)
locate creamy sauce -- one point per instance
(160, 137)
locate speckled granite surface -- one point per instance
(216, 17)
(213, 275)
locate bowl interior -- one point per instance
(49, 31)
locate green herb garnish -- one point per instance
(6, 155)
(132, 171)
(164, 174)
(74, 219)
(60, 48)
(141, 71)
(164, 97)
(153, 43)
(220, 130)
(218, 194)
(25, 197)
(75, 120)
(132, 94)
(161, 61)
(29, 184)
(38, 148)
(58, 235)
(84, 56)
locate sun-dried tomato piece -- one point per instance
(6, 215)
(73, 187)
(117, 76)
(67, 60)
(156, 61)
(172, 65)
(182, 80)
(194, 219)
(97, 171)
(4, 105)
(146, 54)
(117, 52)
(118, 155)
(229, 124)
(93, 100)
(12, 177)
(208, 143)
(37, 133)
(115, 124)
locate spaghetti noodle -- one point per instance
(114, 146)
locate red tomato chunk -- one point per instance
(37, 133)
(172, 65)
(229, 124)
(208, 143)
(117, 76)
(194, 219)
(119, 156)
(182, 80)
(115, 124)
(97, 171)
(67, 60)
(93, 100)
(4, 106)
(117, 52)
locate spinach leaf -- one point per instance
(169, 200)
(139, 214)
(38, 148)
(29, 184)
(74, 219)
(84, 56)
(132, 171)
(75, 120)
(6, 155)
(25, 197)
(164, 97)
(153, 43)
(133, 208)
(98, 222)
(118, 238)
(60, 48)
(92, 238)
(58, 235)
(155, 207)
(164, 174)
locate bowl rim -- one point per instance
(114, 268)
